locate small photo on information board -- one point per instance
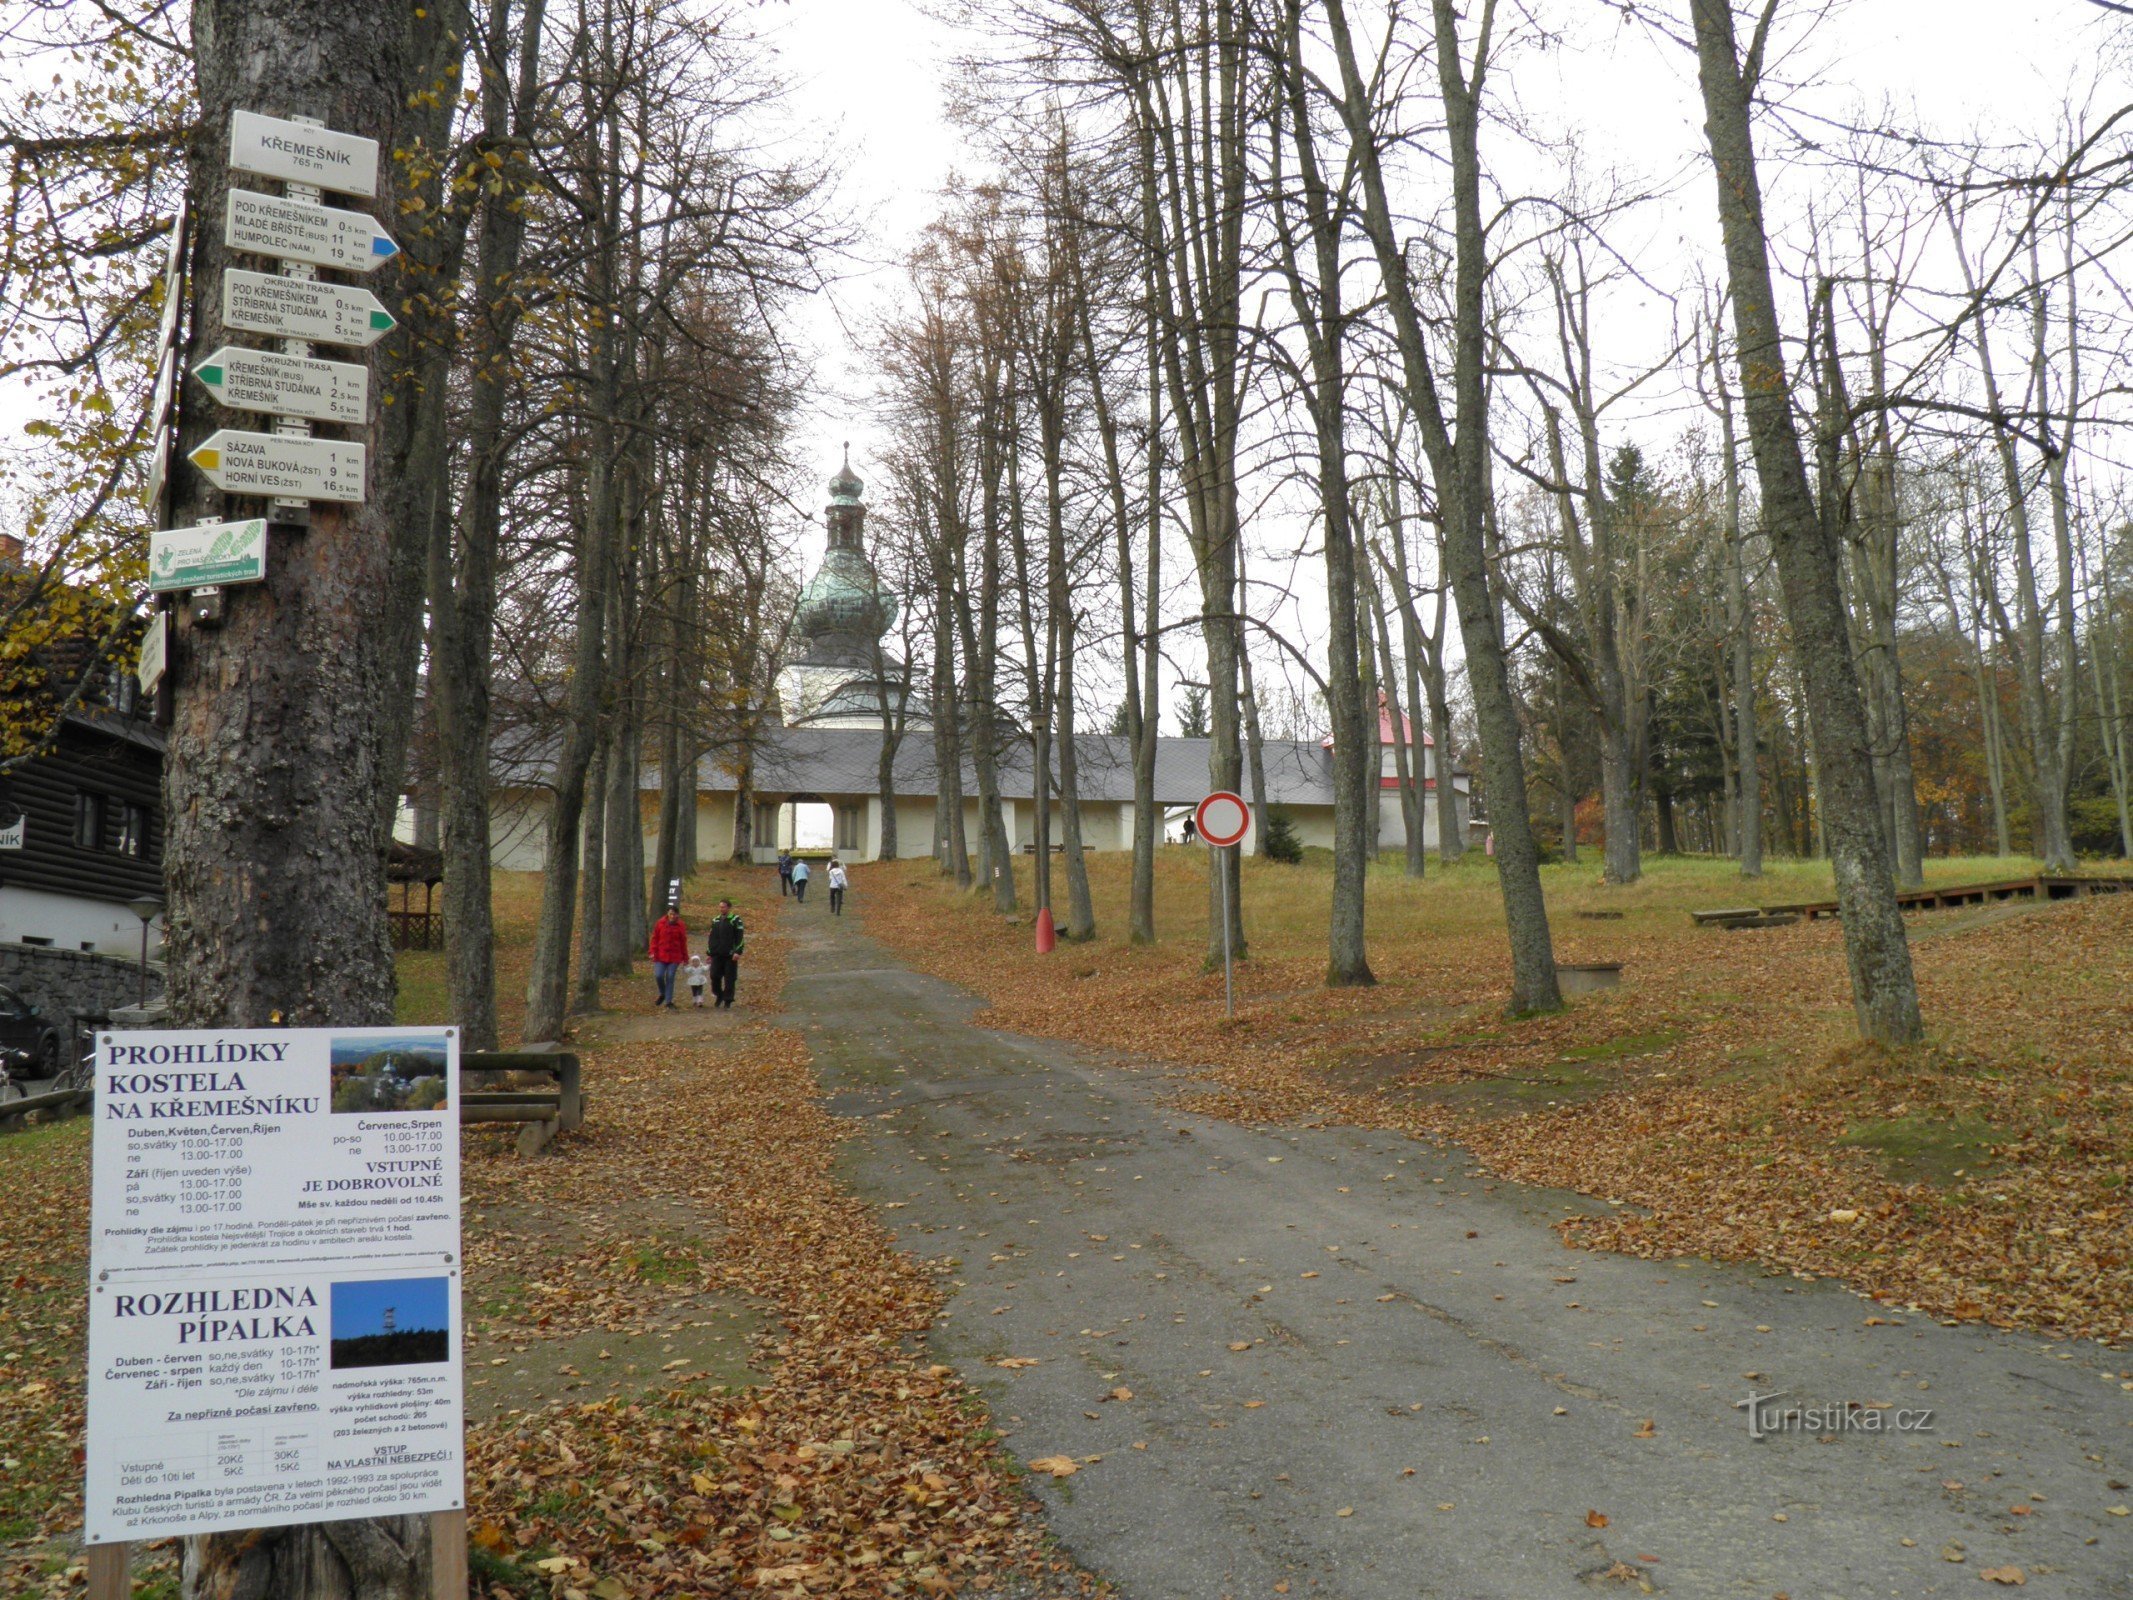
(274, 1279)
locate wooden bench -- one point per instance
(1725, 916)
(540, 1113)
(52, 1103)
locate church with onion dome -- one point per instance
(827, 776)
(838, 672)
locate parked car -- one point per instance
(32, 1044)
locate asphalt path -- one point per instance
(1341, 1363)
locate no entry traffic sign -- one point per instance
(1222, 818)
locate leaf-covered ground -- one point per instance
(711, 1360)
(1717, 1098)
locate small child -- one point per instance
(698, 970)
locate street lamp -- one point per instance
(145, 907)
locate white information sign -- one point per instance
(155, 654)
(15, 833)
(297, 230)
(207, 553)
(274, 1271)
(291, 308)
(280, 464)
(296, 152)
(287, 386)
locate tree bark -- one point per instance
(1884, 992)
(279, 780)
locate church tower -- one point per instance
(837, 670)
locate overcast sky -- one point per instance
(872, 72)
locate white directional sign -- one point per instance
(290, 308)
(276, 464)
(287, 386)
(297, 230)
(210, 553)
(269, 147)
(158, 430)
(155, 655)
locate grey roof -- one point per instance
(847, 761)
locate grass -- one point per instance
(1722, 1087)
(1921, 1148)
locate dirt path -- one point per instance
(1341, 1363)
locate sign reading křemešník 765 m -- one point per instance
(274, 1331)
(214, 552)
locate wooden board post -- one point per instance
(109, 1578)
(448, 1555)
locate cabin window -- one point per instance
(133, 831)
(88, 820)
(766, 823)
(848, 822)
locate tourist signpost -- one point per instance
(274, 1332)
(295, 308)
(296, 152)
(296, 386)
(299, 230)
(1223, 819)
(282, 464)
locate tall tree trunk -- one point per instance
(463, 601)
(279, 781)
(411, 454)
(1459, 459)
(1195, 138)
(1254, 742)
(1884, 992)
(947, 729)
(1741, 629)
(1406, 779)
(1316, 296)
(592, 898)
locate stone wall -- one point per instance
(73, 983)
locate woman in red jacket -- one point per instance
(670, 948)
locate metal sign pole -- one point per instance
(1229, 995)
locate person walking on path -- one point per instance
(837, 879)
(698, 970)
(723, 945)
(799, 880)
(785, 865)
(669, 949)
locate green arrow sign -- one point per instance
(287, 386)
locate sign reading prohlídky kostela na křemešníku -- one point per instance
(274, 1279)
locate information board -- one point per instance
(211, 552)
(274, 1279)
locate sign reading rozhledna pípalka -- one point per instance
(274, 1276)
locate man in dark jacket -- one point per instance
(723, 945)
(784, 872)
